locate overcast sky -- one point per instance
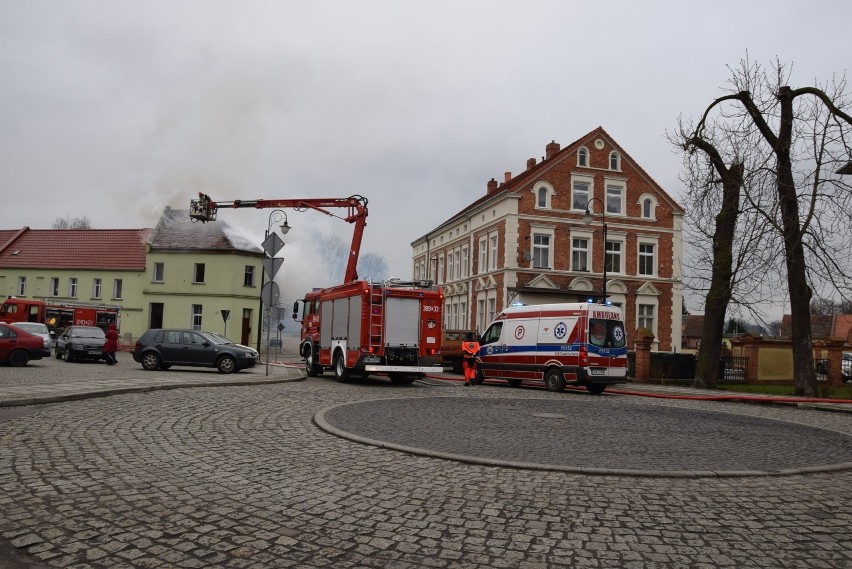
(115, 109)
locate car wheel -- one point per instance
(312, 368)
(58, 354)
(554, 380)
(596, 388)
(19, 358)
(150, 361)
(67, 355)
(226, 364)
(340, 371)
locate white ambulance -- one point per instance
(581, 344)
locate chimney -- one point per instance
(530, 163)
(551, 149)
(507, 177)
(492, 186)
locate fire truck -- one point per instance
(358, 327)
(59, 315)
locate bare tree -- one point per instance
(68, 223)
(807, 132)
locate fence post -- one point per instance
(834, 346)
(642, 344)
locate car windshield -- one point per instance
(87, 332)
(218, 338)
(32, 327)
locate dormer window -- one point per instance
(583, 156)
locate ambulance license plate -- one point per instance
(597, 371)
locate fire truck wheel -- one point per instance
(515, 382)
(595, 388)
(312, 369)
(554, 380)
(19, 358)
(226, 364)
(340, 370)
(67, 355)
(150, 361)
(402, 378)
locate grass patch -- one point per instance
(841, 392)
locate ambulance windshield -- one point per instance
(606, 333)
(492, 334)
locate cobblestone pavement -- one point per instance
(241, 476)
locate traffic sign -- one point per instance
(272, 244)
(270, 293)
(271, 266)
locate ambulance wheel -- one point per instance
(596, 388)
(340, 370)
(515, 382)
(554, 380)
(312, 369)
(402, 378)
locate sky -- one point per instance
(115, 109)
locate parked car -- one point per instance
(38, 329)
(163, 348)
(18, 347)
(80, 343)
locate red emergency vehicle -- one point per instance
(358, 327)
(580, 344)
(59, 315)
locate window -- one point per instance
(22, 286)
(541, 251)
(440, 275)
(647, 208)
(646, 316)
(72, 287)
(196, 317)
(580, 254)
(96, 288)
(54, 286)
(117, 285)
(580, 196)
(465, 253)
(198, 275)
(646, 259)
(158, 272)
(492, 264)
(542, 197)
(248, 276)
(483, 255)
(583, 157)
(492, 308)
(614, 199)
(451, 267)
(457, 262)
(614, 161)
(480, 312)
(613, 256)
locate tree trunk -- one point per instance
(719, 295)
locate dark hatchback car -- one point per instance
(80, 343)
(18, 347)
(163, 348)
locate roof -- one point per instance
(823, 326)
(176, 231)
(111, 249)
(693, 326)
(533, 173)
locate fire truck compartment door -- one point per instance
(402, 321)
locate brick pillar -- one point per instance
(752, 352)
(834, 346)
(642, 344)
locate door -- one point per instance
(245, 330)
(197, 349)
(491, 349)
(155, 319)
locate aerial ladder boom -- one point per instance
(204, 209)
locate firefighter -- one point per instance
(470, 347)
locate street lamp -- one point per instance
(275, 216)
(587, 219)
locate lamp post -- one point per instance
(275, 216)
(587, 219)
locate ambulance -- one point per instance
(581, 344)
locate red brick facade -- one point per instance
(526, 240)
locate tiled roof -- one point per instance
(176, 231)
(693, 326)
(111, 249)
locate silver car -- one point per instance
(38, 329)
(846, 366)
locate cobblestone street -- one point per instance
(242, 476)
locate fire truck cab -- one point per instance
(580, 344)
(360, 328)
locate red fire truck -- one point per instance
(358, 327)
(59, 315)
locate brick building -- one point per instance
(528, 240)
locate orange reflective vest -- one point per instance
(470, 349)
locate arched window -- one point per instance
(614, 161)
(542, 197)
(583, 156)
(647, 208)
(543, 193)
